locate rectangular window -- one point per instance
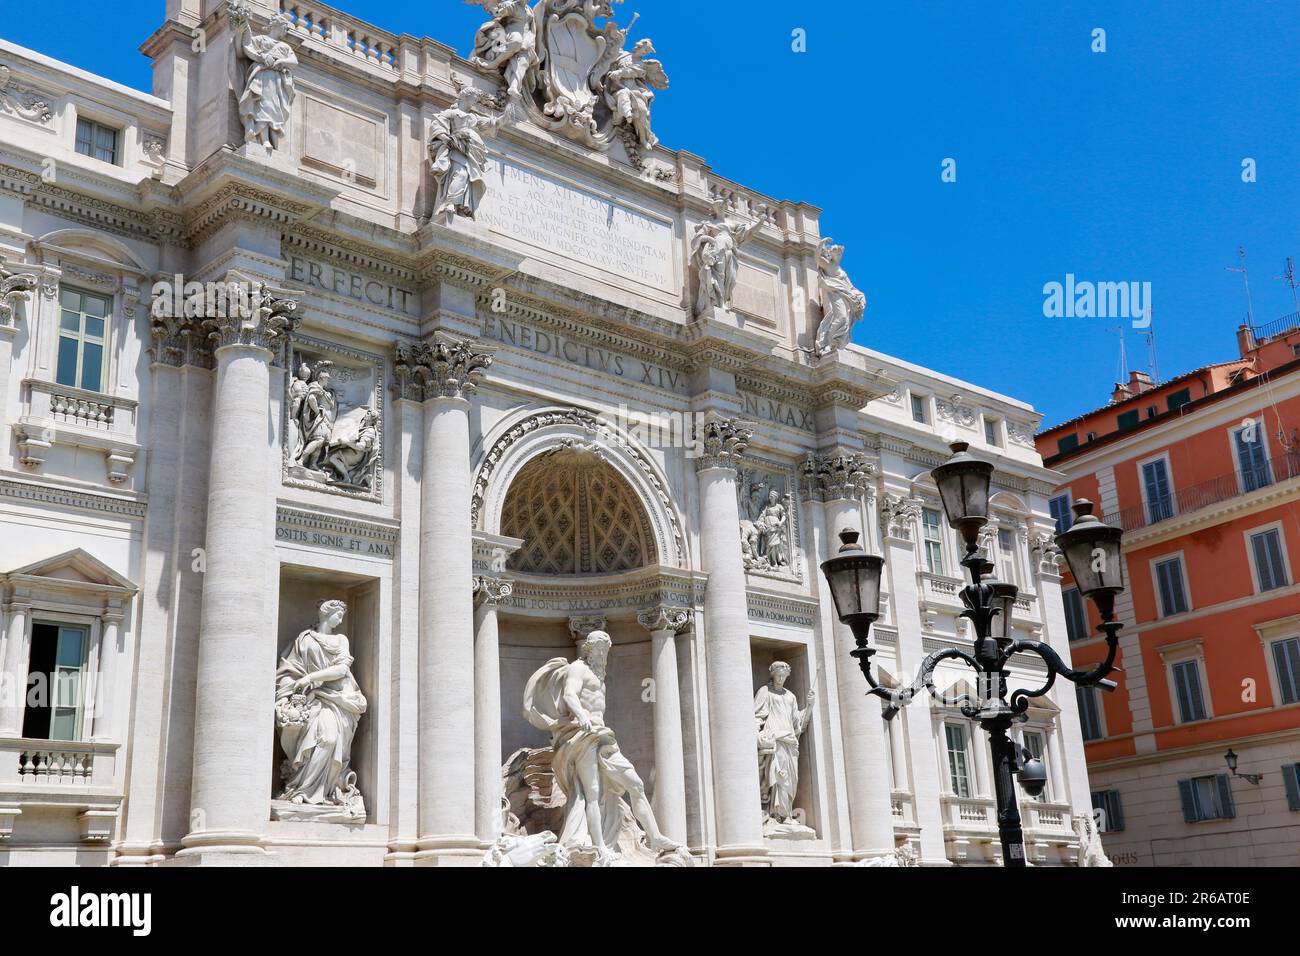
(1036, 744)
(991, 436)
(97, 141)
(932, 535)
(1266, 548)
(958, 760)
(1286, 661)
(1068, 443)
(1291, 776)
(1252, 458)
(1207, 798)
(1061, 514)
(1159, 492)
(1179, 399)
(1089, 713)
(1076, 614)
(1007, 556)
(83, 340)
(1187, 688)
(1169, 580)
(1108, 811)
(918, 409)
(1127, 420)
(55, 683)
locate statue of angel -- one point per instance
(629, 90)
(458, 155)
(842, 303)
(508, 44)
(262, 71)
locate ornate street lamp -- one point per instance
(1092, 550)
(1231, 758)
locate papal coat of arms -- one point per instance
(566, 63)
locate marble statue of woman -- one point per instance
(267, 63)
(842, 304)
(713, 253)
(317, 708)
(568, 701)
(458, 156)
(771, 528)
(780, 724)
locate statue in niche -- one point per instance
(351, 458)
(332, 443)
(780, 724)
(629, 91)
(314, 408)
(714, 256)
(458, 155)
(317, 708)
(263, 68)
(842, 304)
(567, 700)
(764, 526)
(508, 44)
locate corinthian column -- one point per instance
(446, 373)
(726, 645)
(840, 481)
(230, 800)
(664, 623)
(489, 593)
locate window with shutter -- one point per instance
(1187, 686)
(1108, 811)
(1291, 774)
(1089, 713)
(1252, 459)
(1270, 568)
(958, 760)
(1061, 514)
(1159, 493)
(1169, 579)
(1187, 793)
(1076, 614)
(1286, 661)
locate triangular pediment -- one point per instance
(76, 567)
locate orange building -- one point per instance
(1203, 474)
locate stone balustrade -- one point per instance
(342, 32)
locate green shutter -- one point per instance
(1225, 797)
(1291, 774)
(1188, 795)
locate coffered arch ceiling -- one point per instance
(576, 515)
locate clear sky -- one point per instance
(1117, 166)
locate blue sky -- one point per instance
(1116, 166)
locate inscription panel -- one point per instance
(578, 225)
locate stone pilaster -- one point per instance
(839, 482)
(445, 373)
(233, 707)
(664, 624)
(13, 678)
(489, 593)
(14, 288)
(726, 643)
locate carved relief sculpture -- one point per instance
(317, 708)
(714, 257)
(780, 724)
(333, 434)
(262, 72)
(765, 523)
(842, 304)
(458, 155)
(567, 700)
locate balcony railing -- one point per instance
(1207, 493)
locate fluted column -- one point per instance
(446, 373)
(726, 645)
(489, 593)
(233, 702)
(106, 690)
(840, 482)
(669, 802)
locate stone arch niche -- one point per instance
(529, 455)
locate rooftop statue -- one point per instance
(458, 154)
(262, 73)
(842, 303)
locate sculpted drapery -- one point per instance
(780, 723)
(458, 156)
(267, 92)
(318, 706)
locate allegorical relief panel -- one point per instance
(333, 430)
(768, 522)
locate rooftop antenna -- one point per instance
(1123, 356)
(1150, 333)
(1245, 277)
(1288, 276)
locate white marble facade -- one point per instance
(484, 435)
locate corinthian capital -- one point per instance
(492, 591)
(838, 477)
(723, 442)
(664, 618)
(270, 319)
(14, 286)
(438, 369)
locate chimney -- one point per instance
(1139, 382)
(1120, 394)
(1246, 340)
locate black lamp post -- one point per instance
(1231, 759)
(1092, 550)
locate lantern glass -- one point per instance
(964, 482)
(854, 579)
(1004, 599)
(1231, 757)
(1092, 551)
